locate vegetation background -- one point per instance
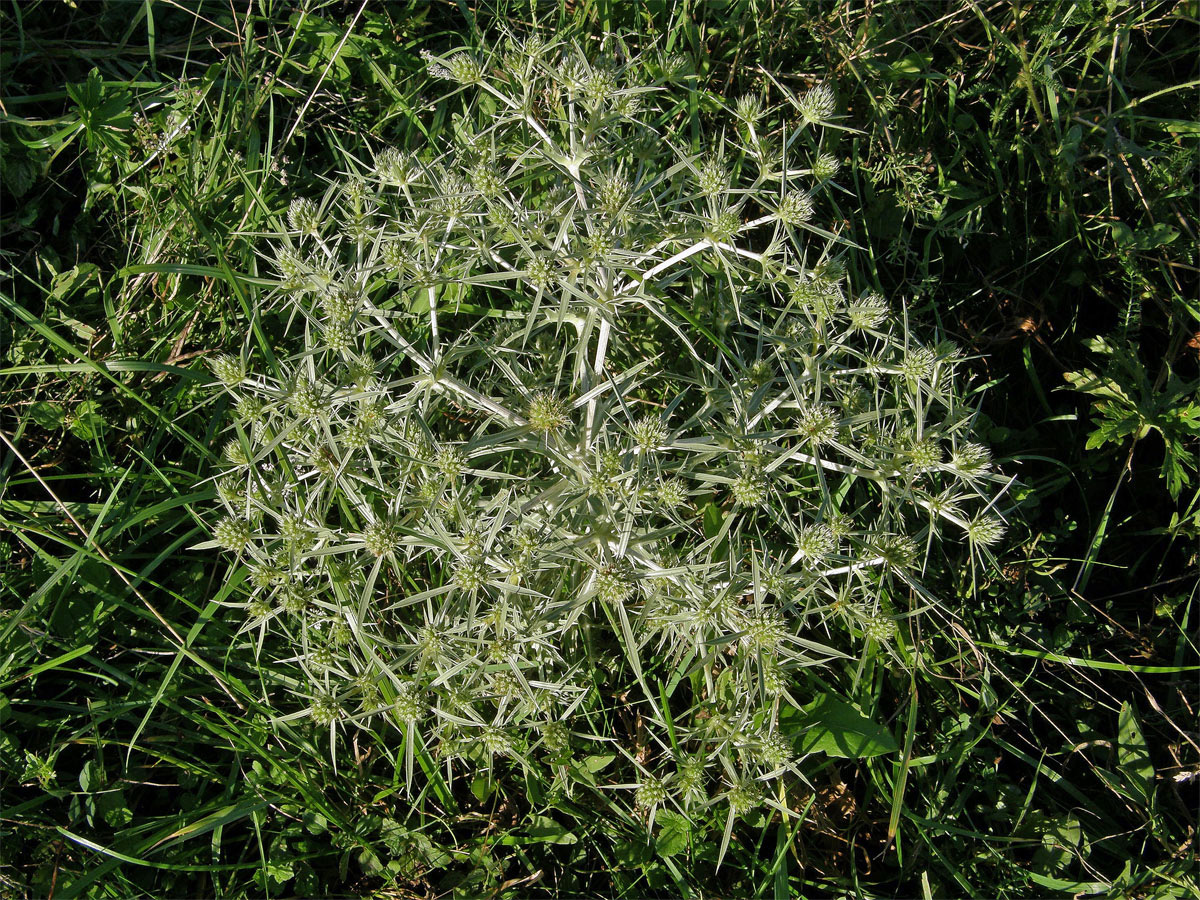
(1025, 179)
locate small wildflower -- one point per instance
(395, 167)
(307, 400)
(233, 534)
(868, 312)
(818, 104)
(671, 494)
(713, 179)
(816, 542)
(971, 459)
(724, 225)
(879, 628)
(555, 738)
(610, 588)
(818, 424)
(749, 489)
(825, 166)
(547, 413)
(408, 705)
(495, 741)
(230, 370)
(303, 217)
(985, 530)
(775, 750)
(450, 461)
(325, 709)
(744, 795)
(650, 793)
(918, 363)
(764, 631)
(796, 208)
(380, 538)
(925, 453)
(898, 551)
(470, 574)
(749, 108)
(649, 433)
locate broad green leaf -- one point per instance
(1133, 756)
(674, 833)
(838, 729)
(544, 829)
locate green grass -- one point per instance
(1023, 176)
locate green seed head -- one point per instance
(408, 705)
(796, 208)
(749, 489)
(611, 588)
(650, 793)
(495, 741)
(556, 738)
(325, 709)
(972, 459)
(724, 226)
(879, 628)
(671, 494)
(547, 413)
(818, 423)
(230, 370)
(985, 530)
(825, 166)
(775, 751)
(303, 217)
(744, 795)
(233, 534)
(868, 312)
(713, 179)
(818, 104)
(380, 538)
(925, 453)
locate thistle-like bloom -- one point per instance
(816, 542)
(230, 370)
(408, 705)
(925, 453)
(795, 208)
(867, 312)
(547, 413)
(879, 628)
(775, 750)
(818, 104)
(671, 494)
(394, 167)
(971, 459)
(825, 166)
(818, 424)
(724, 226)
(918, 363)
(380, 538)
(649, 433)
(650, 793)
(610, 588)
(303, 217)
(233, 534)
(713, 179)
(985, 530)
(744, 795)
(749, 489)
(325, 709)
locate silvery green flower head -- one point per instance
(567, 401)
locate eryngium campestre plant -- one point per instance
(584, 428)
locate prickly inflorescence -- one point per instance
(576, 413)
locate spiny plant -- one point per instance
(586, 441)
